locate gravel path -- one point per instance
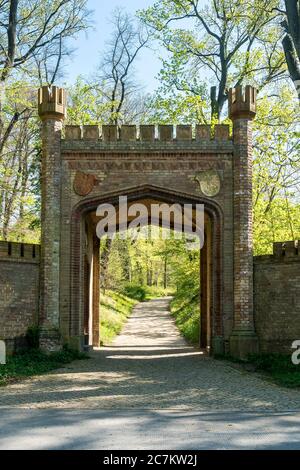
(150, 366)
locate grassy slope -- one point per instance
(115, 308)
(187, 317)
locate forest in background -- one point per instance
(142, 269)
(209, 46)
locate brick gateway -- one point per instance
(83, 167)
(86, 168)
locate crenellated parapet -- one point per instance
(19, 251)
(148, 133)
(287, 249)
(52, 103)
(242, 102)
(282, 252)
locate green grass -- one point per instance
(154, 292)
(115, 308)
(187, 317)
(35, 362)
(278, 367)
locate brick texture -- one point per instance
(93, 165)
(276, 298)
(19, 291)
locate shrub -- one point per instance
(135, 292)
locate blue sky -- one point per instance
(90, 45)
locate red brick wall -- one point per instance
(19, 291)
(277, 301)
(137, 167)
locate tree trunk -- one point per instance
(291, 42)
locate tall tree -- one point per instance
(112, 94)
(291, 40)
(34, 40)
(222, 42)
(116, 75)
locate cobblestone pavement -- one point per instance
(149, 366)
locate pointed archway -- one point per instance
(84, 301)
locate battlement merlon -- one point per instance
(242, 103)
(286, 249)
(19, 251)
(52, 103)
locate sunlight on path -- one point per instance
(150, 366)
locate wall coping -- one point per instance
(20, 252)
(148, 138)
(206, 147)
(149, 133)
(282, 252)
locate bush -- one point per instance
(33, 337)
(135, 292)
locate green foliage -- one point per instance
(276, 170)
(35, 40)
(33, 337)
(157, 268)
(185, 304)
(36, 362)
(187, 316)
(143, 262)
(134, 292)
(89, 105)
(279, 367)
(154, 292)
(115, 309)
(220, 43)
(279, 222)
(167, 106)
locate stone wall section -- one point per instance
(277, 298)
(19, 291)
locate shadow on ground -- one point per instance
(150, 367)
(92, 429)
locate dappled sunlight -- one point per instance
(150, 366)
(149, 429)
(151, 325)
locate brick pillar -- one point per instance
(52, 108)
(96, 291)
(242, 110)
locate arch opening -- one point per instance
(85, 268)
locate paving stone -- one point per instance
(150, 366)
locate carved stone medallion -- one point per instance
(209, 182)
(83, 183)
